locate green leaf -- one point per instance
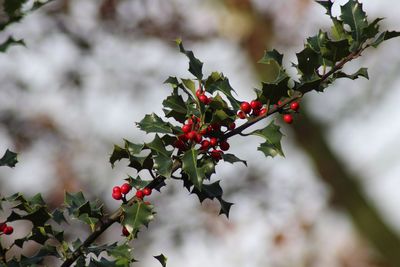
(225, 207)
(271, 56)
(10, 42)
(189, 166)
(151, 123)
(136, 216)
(217, 82)
(274, 91)
(363, 72)
(189, 84)
(209, 191)
(354, 16)
(9, 159)
(162, 259)
(232, 158)
(195, 65)
(308, 62)
(384, 36)
(175, 107)
(272, 136)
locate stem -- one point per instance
(157, 181)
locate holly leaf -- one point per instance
(308, 62)
(225, 207)
(9, 159)
(272, 135)
(195, 65)
(217, 82)
(175, 107)
(10, 42)
(152, 123)
(232, 158)
(189, 166)
(386, 35)
(162, 259)
(274, 91)
(363, 72)
(136, 216)
(354, 16)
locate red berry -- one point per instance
(198, 138)
(116, 189)
(186, 128)
(216, 127)
(117, 195)
(279, 103)
(245, 107)
(213, 141)
(2, 226)
(232, 126)
(256, 112)
(147, 191)
(288, 118)
(179, 144)
(203, 99)
(8, 230)
(125, 231)
(139, 194)
(199, 92)
(241, 115)
(263, 111)
(209, 99)
(191, 135)
(203, 131)
(205, 144)
(216, 154)
(209, 128)
(224, 145)
(256, 104)
(295, 106)
(125, 188)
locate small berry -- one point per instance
(125, 231)
(2, 226)
(209, 99)
(117, 195)
(116, 189)
(125, 188)
(8, 230)
(199, 92)
(224, 145)
(182, 137)
(295, 106)
(139, 194)
(232, 126)
(245, 107)
(256, 112)
(191, 135)
(186, 128)
(263, 111)
(198, 138)
(241, 115)
(213, 141)
(216, 154)
(203, 131)
(205, 144)
(256, 104)
(288, 118)
(216, 127)
(179, 144)
(203, 99)
(147, 191)
(209, 128)
(279, 103)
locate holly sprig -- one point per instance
(201, 117)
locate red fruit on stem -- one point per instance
(213, 141)
(245, 107)
(205, 144)
(199, 92)
(279, 103)
(147, 191)
(186, 128)
(116, 189)
(8, 230)
(182, 137)
(2, 226)
(263, 111)
(209, 128)
(198, 138)
(256, 104)
(216, 127)
(117, 195)
(209, 99)
(288, 118)
(232, 126)
(224, 145)
(203, 99)
(125, 231)
(125, 188)
(294, 106)
(203, 131)
(191, 135)
(139, 194)
(241, 115)
(256, 112)
(179, 144)
(216, 154)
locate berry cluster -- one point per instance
(201, 95)
(120, 192)
(6, 229)
(254, 108)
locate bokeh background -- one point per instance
(93, 68)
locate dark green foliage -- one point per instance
(9, 159)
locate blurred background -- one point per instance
(91, 69)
